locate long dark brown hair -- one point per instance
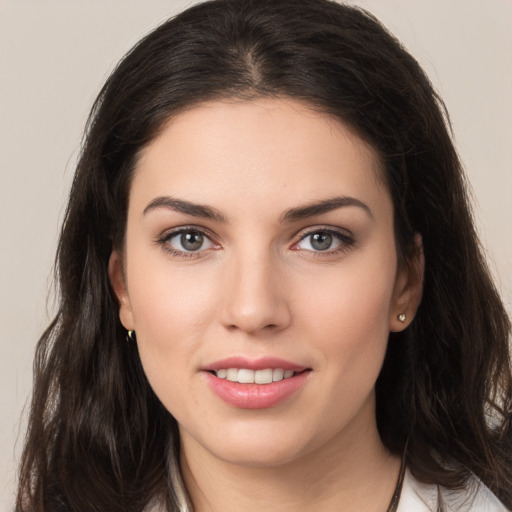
(98, 438)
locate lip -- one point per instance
(255, 396)
(261, 363)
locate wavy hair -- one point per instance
(98, 438)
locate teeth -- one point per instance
(246, 376)
(277, 374)
(263, 376)
(232, 374)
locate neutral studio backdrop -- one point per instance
(54, 57)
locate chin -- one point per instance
(257, 445)
(259, 456)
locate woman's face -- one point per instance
(260, 238)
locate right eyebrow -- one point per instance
(186, 207)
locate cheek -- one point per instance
(168, 300)
(171, 311)
(348, 316)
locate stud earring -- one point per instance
(130, 336)
(401, 317)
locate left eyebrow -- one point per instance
(320, 207)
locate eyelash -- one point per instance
(164, 240)
(345, 241)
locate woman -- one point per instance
(272, 294)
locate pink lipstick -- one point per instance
(255, 384)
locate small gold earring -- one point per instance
(130, 336)
(401, 317)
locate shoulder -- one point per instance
(419, 497)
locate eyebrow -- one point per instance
(291, 215)
(320, 207)
(186, 207)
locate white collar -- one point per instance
(415, 496)
(419, 497)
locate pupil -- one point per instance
(191, 241)
(321, 241)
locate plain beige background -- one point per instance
(54, 57)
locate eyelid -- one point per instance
(323, 228)
(167, 235)
(344, 236)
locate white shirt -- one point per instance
(419, 497)
(415, 497)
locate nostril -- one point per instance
(269, 327)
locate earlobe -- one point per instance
(118, 282)
(408, 289)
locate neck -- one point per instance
(353, 471)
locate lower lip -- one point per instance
(256, 396)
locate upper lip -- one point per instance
(261, 363)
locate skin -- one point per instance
(257, 287)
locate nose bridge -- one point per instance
(255, 295)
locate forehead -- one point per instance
(279, 150)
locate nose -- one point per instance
(255, 297)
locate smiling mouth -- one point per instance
(256, 384)
(247, 376)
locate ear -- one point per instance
(408, 289)
(118, 281)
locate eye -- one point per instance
(324, 240)
(187, 241)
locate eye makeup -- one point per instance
(196, 242)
